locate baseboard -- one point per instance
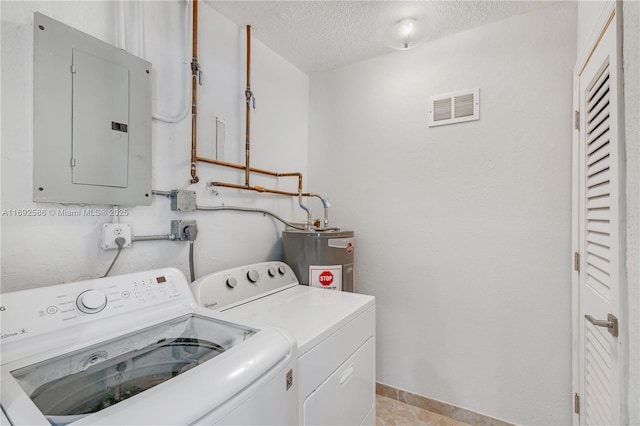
(448, 410)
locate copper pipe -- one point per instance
(194, 95)
(253, 169)
(261, 189)
(248, 95)
(249, 98)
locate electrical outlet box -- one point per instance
(178, 228)
(183, 200)
(111, 231)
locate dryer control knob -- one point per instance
(282, 270)
(232, 282)
(91, 301)
(271, 271)
(253, 276)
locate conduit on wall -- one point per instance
(250, 101)
(122, 37)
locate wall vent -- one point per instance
(455, 107)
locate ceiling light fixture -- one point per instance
(407, 33)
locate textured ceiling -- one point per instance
(319, 35)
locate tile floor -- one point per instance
(390, 412)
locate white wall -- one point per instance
(52, 249)
(588, 14)
(463, 231)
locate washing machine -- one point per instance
(335, 332)
(136, 349)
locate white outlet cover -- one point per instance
(111, 231)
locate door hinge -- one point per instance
(73, 69)
(576, 403)
(73, 162)
(576, 261)
(576, 120)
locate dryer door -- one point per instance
(347, 397)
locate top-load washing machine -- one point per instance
(335, 332)
(136, 349)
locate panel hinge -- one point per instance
(576, 403)
(576, 261)
(289, 380)
(73, 162)
(576, 120)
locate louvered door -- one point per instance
(599, 234)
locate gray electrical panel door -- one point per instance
(100, 116)
(91, 119)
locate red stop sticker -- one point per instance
(326, 278)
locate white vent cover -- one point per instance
(455, 107)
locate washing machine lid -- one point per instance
(157, 375)
(309, 314)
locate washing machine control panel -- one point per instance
(91, 301)
(231, 287)
(32, 312)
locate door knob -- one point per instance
(611, 323)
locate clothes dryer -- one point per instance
(335, 332)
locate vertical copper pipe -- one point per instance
(194, 94)
(248, 95)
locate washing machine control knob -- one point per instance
(271, 271)
(253, 275)
(282, 270)
(91, 301)
(231, 282)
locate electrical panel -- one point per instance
(92, 119)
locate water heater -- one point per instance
(322, 259)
